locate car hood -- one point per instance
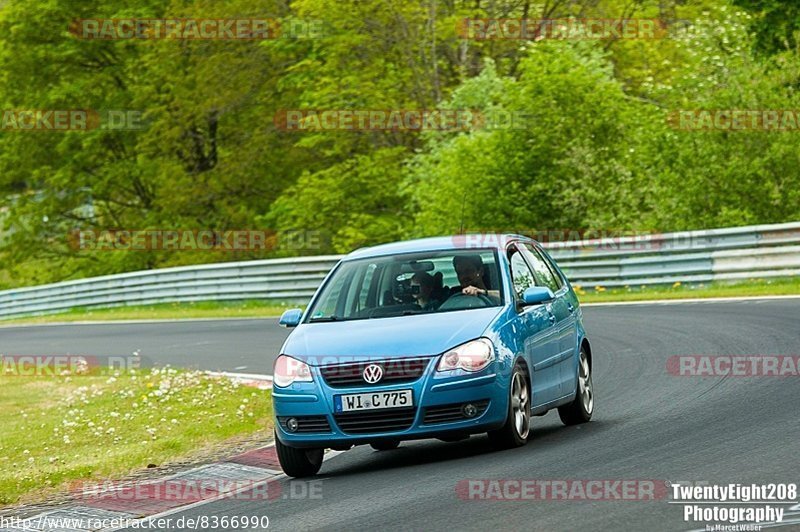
(395, 337)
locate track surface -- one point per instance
(248, 345)
(647, 425)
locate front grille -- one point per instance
(386, 420)
(394, 372)
(450, 413)
(307, 423)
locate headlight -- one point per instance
(472, 356)
(288, 370)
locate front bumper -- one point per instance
(437, 399)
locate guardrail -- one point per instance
(689, 257)
(761, 251)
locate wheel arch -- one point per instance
(585, 345)
(524, 363)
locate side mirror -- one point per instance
(291, 317)
(537, 295)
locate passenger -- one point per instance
(424, 294)
(470, 272)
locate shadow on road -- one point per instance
(414, 453)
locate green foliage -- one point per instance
(723, 178)
(350, 204)
(593, 150)
(565, 167)
(776, 25)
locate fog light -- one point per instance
(291, 424)
(469, 410)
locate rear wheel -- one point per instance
(580, 410)
(385, 445)
(518, 423)
(298, 462)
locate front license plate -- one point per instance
(373, 400)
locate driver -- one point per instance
(470, 270)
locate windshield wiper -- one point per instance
(323, 318)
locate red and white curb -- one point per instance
(148, 500)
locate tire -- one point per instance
(298, 462)
(517, 428)
(385, 445)
(580, 410)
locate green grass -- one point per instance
(63, 429)
(262, 309)
(751, 287)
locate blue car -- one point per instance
(434, 338)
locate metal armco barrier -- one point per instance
(763, 251)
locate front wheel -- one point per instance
(518, 423)
(580, 410)
(298, 462)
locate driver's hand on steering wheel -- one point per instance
(474, 291)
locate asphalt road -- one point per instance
(648, 424)
(248, 345)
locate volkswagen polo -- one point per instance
(434, 338)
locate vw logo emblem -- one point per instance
(373, 373)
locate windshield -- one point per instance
(418, 283)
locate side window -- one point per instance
(521, 274)
(366, 288)
(445, 266)
(549, 262)
(334, 304)
(358, 291)
(541, 270)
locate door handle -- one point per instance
(552, 318)
(570, 307)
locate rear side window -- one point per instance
(521, 274)
(542, 272)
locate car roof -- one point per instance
(439, 243)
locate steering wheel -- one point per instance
(463, 301)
